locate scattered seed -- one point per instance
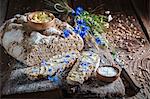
(139, 67)
(130, 57)
(107, 12)
(131, 25)
(143, 51)
(132, 74)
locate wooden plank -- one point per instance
(95, 88)
(142, 9)
(5, 69)
(54, 94)
(3, 9)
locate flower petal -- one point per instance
(66, 33)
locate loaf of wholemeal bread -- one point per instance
(48, 46)
(31, 47)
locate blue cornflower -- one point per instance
(85, 28)
(43, 63)
(85, 64)
(77, 29)
(78, 13)
(65, 61)
(79, 22)
(50, 69)
(50, 78)
(73, 13)
(83, 34)
(60, 70)
(66, 33)
(98, 41)
(67, 56)
(85, 70)
(55, 79)
(90, 54)
(79, 10)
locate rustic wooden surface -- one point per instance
(143, 12)
(21, 7)
(54, 94)
(19, 83)
(95, 88)
(3, 10)
(141, 56)
(6, 68)
(10, 87)
(139, 67)
(138, 62)
(119, 5)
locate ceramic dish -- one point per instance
(108, 73)
(40, 20)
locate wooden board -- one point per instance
(94, 88)
(18, 83)
(54, 94)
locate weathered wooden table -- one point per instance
(23, 6)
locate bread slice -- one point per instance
(56, 64)
(84, 67)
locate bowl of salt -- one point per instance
(108, 73)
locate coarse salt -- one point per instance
(107, 71)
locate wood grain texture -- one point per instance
(143, 13)
(139, 57)
(3, 9)
(95, 88)
(22, 6)
(17, 82)
(54, 94)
